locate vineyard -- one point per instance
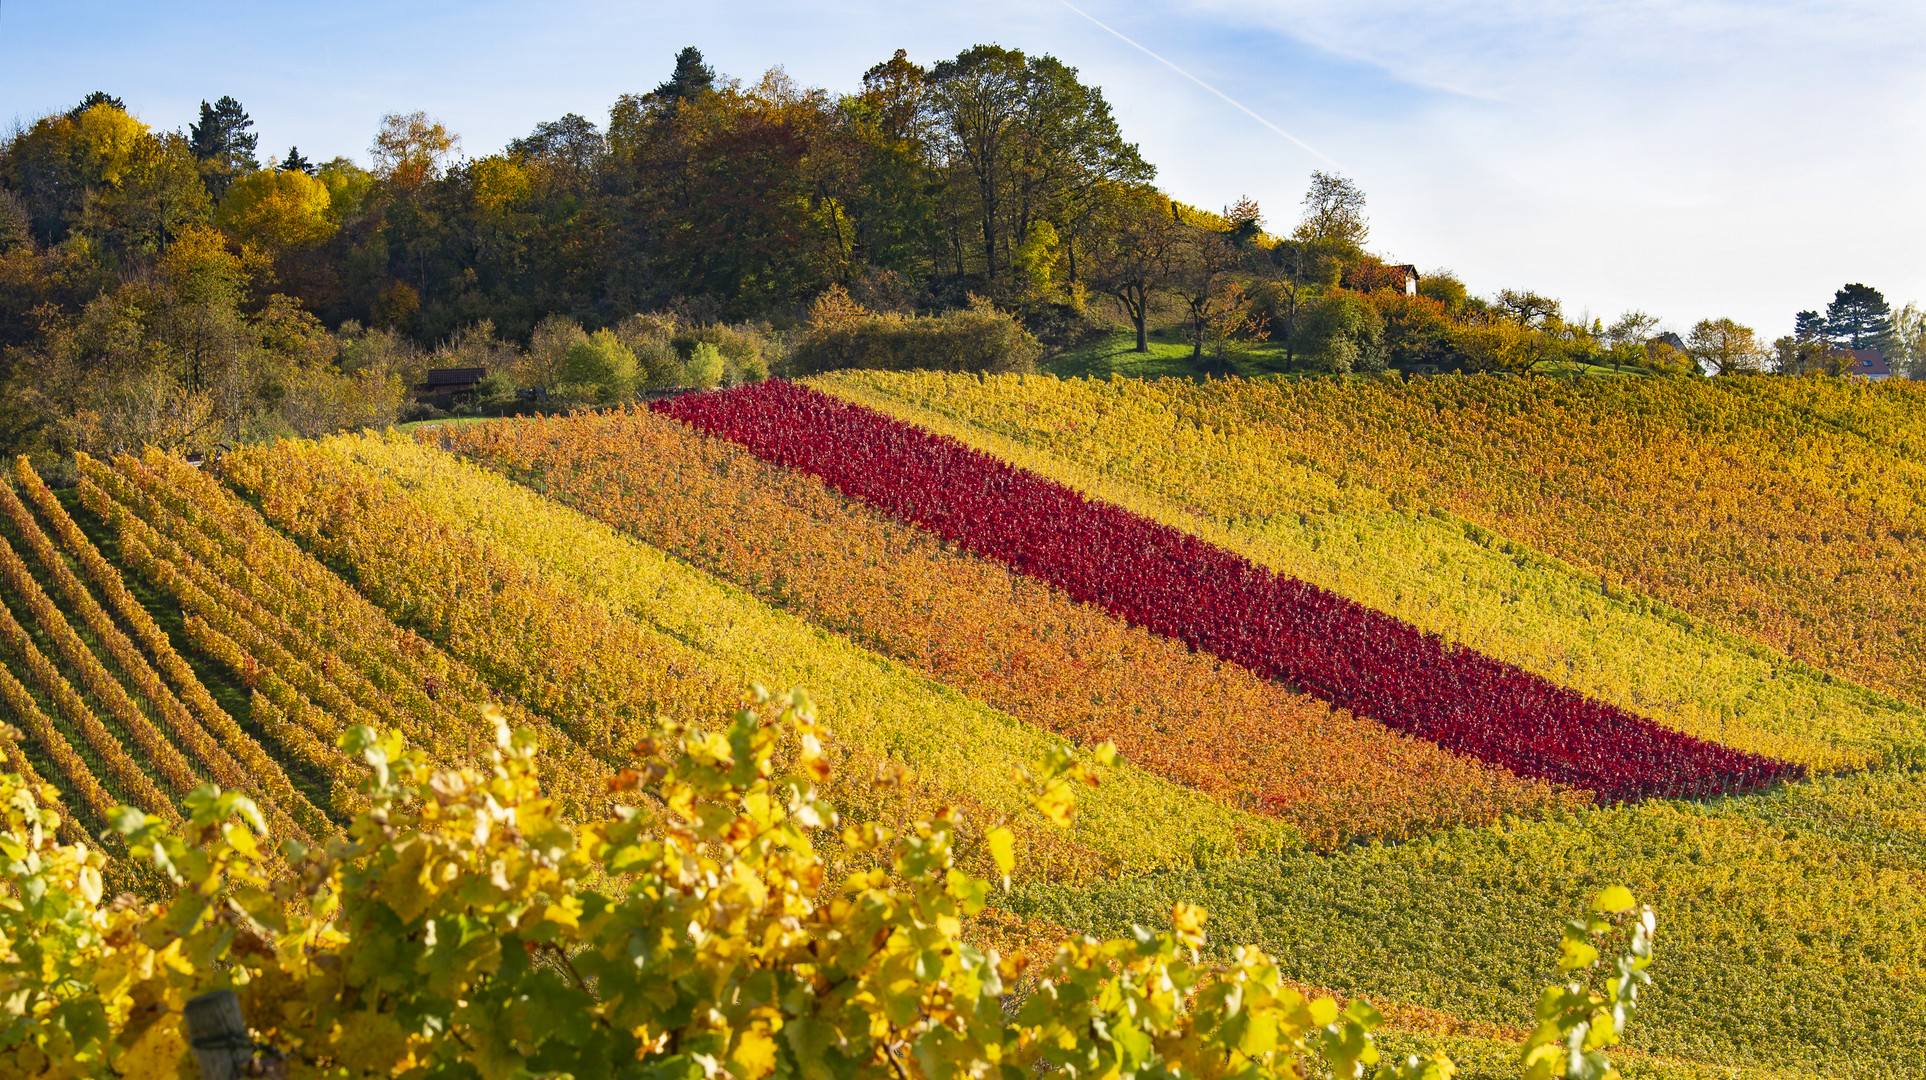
(1398, 675)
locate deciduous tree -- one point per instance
(1333, 212)
(1133, 252)
(1725, 347)
(1024, 140)
(411, 149)
(1201, 278)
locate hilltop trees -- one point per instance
(1857, 318)
(98, 174)
(986, 174)
(1023, 141)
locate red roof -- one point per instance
(1869, 362)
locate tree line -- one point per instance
(174, 288)
(181, 264)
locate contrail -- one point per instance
(1314, 151)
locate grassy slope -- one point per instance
(1169, 355)
(1130, 442)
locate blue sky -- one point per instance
(1692, 158)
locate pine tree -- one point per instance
(98, 97)
(222, 134)
(691, 80)
(294, 162)
(1860, 318)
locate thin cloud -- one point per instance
(1240, 106)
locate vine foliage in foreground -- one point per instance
(462, 927)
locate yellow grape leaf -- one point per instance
(89, 884)
(566, 910)
(1057, 803)
(1577, 954)
(1003, 849)
(1614, 900)
(156, 1055)
(1187, 922)
(241, 839)
(755, 1053)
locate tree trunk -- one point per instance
(1139, 313)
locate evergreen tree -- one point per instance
(691, 80)
(1860, 318)
(223, 144)
(1808, 325)
(294, 162)
(98, 97)
(223, 134)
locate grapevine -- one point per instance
(1182, 587)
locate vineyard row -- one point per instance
(1177, 585)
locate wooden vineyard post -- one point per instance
(218, 1034)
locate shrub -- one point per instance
(705, 366)
(496, 386)
(548, 350)
(744, 349)
(1342, 334)
(598, 368)
(669, 354)
(979, 338)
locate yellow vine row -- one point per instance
(182, 726)
(162, 755)
(160, 649)
(262, 590)
(80, 779)
(138, 786)
(260, 768)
